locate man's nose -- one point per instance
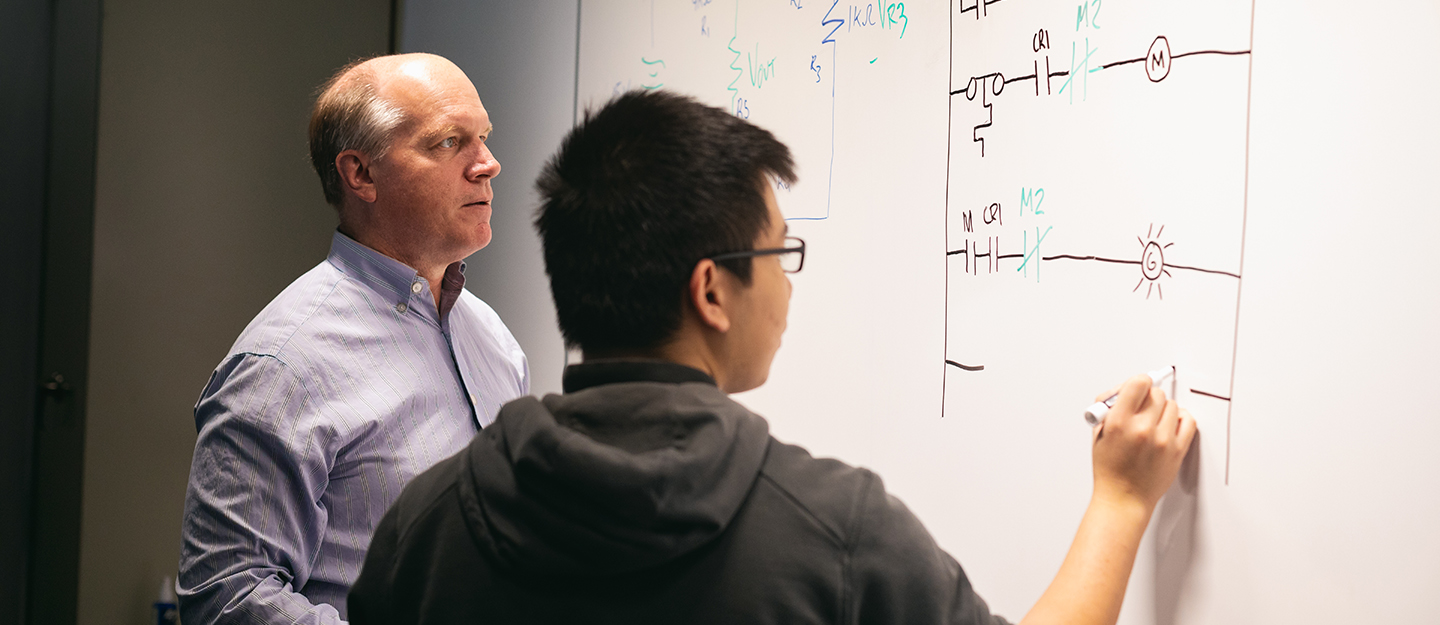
(484, 166)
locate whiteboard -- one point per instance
(1237, 188)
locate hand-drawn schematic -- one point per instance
(1096, 197)
(776, 64)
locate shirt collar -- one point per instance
(391, 278)
(595, 373)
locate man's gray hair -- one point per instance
(349, 115)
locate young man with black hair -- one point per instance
(643, 493)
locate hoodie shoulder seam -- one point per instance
(839, 540)
(848, 607)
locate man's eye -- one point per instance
(449, 142)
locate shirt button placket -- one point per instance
(414, 288)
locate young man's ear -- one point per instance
(354, 169)
(706, 293)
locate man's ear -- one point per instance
(354, 169)
(706, 293)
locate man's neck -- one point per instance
(432, 272)
(682, 350)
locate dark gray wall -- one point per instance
(521, 57)
(206, 207)
(62, 335)
(24, 70)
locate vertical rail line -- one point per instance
(1244, 223)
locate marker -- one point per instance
(1095, 415)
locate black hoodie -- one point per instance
(645, 495)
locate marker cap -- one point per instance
(1096, 413)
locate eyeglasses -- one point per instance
(792, 257)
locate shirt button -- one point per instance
(401, 308)
(415, 288)
(472, 398)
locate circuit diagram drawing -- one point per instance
(1156, 62)
(1097, 188)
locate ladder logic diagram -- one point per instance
(1096, 193)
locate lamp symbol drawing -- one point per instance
(1152, 262)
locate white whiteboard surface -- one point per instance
(1297, 170)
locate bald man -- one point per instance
(365, 371)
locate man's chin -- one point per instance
(750, 383)
(478, 243)
(471, 242)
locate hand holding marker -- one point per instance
(1095, 414)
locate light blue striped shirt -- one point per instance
(347, 385)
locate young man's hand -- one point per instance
(1138, 448)
(1137, 451)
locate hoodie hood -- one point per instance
(617, 477)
